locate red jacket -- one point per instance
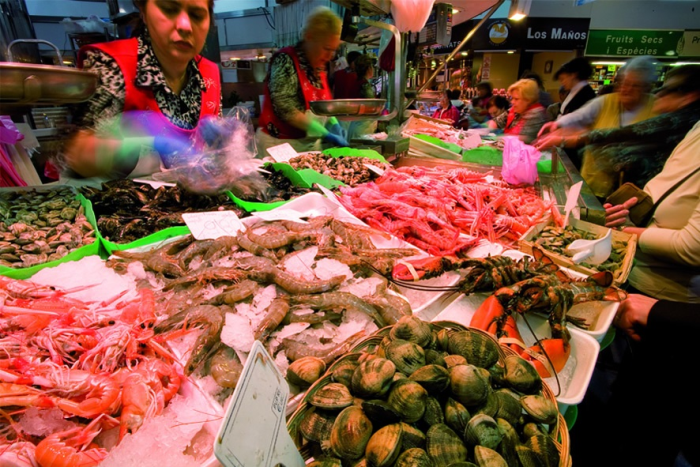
(451, 114)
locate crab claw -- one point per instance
(488, 314)
(416, 269)
(557, 350)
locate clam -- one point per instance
(331, 396)
(381, 349)
(433, 344)
(316, 425)
(412, 329)
(479, 349)
(444, 446)
(531, 429)
(407, 356)
(408, 399)
(398, 376)
(521, 375)
(443, 339)
(544, 448)
(350, 433)
(342, 371)
(433, 378)
(469, 385)
(483, 430)
(454, 360)
(414, 457)
(384, 446)
(498, 374)
(527, 456)
(380, 413)
(508, 447)
(305, 371)
(326, 462)
(509, 406)
(486, 457)
(489, 407)
(412, 437)
(541, 409)
(456, 415)
(433, 412)
(373, 378)
(435, 357)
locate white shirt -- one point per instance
(577, 87)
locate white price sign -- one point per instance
(282, 153)
(155, 184)
(211, 225)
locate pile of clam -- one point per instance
(41, 226)
(428, 396)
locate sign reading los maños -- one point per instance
(556, 33)
(631, 43)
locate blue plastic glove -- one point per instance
(173, 148)
(217, 131)
(336, 140)
(336, 129)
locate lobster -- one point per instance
(553, 294)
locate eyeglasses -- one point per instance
(665, 90)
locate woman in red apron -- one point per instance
(153, 91)
(297, 76)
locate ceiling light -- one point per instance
(464, 54)
(511, 51)
(671, 52)
(455, 11)
(608, 63)
(684, 63)
(519, 9)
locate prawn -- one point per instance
(339, 300)
(225, 367)
(101, 393)
(295, 285)
(295, 350)
(235, 293)
(67, 448)
(276, 313)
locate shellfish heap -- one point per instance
(429, 397)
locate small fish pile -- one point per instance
(281, 187)
(347, 169)
(429, 396)
(558, 240)
(127, 211)
(41, 226)
(445, 212)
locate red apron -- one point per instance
(125, 53)
(511, 129)
(311, 93)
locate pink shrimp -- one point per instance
(68, 448)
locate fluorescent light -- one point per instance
(464, 54)
(517, 16)
(685, 63)
(608, 63)
(671, 52)
(511, 51)
(519, 9)
(455, 11)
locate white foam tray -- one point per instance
(575, 376)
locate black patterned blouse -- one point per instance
(285, 90)
(108, 101)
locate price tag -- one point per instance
(280, 215)
(329, 194)
(254, 432)
(282, 153)
(155, 184)
(374, 169)
(215, 224)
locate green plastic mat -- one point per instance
(492, 156)
(87, 250)
(111, 247)
(438, 142)
(351, 152)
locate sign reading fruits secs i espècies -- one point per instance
(632, 43)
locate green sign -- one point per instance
(632, 43)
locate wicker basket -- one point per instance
(559, 432)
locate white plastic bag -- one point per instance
(411, 15)
(519, 162)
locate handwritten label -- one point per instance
(374, 169)
(211, 225)
(282, 153)
(253, 432)
(155, 184)
(280, 214)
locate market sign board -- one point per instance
(689, 45)
(633, 43)
(556, 33)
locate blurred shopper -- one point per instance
(447, 111)
(667, 262)
(554, 109)
(364, 67)
(296, 77)
(346, 84)
(544, 98)
(526, 115)
(573, 77)
(480, 112)
(640, 150)
(498, 110)
(631, 104)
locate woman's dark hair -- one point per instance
(578, 66)
(141, 5)
(455, 94)
(533, 76)
(689, 75)
(485, 85)
(362, 64)
(499, 102)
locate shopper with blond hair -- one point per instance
(296, 77)
(526, 115)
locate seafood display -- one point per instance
(41, 226)
(557, 240)
(445, 212)
(127, 211)
(347, 169)
(280, 188)
(429, 395)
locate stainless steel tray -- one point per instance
(348, 107)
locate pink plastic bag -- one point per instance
(519, 162)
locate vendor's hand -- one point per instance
(173, 148)
(216, 131)
(547, 127)
(338, 130)
(618, 215)
(633, 314)
(336, 140)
